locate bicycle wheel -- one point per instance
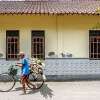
(35, 81)
(7, 82)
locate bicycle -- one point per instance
(9, 79)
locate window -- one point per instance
(38, 44)
(94, 42)
(12, 44)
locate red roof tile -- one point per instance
(50, 7)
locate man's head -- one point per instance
(21, 55)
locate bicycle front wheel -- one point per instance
(35, 81)
(7, 82)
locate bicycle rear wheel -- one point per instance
(35, 81)
(7, 82)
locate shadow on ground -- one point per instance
(45, 91)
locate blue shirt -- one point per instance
(25, 66)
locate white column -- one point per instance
(3, 42)
(59, 35)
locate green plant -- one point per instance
(1, 55)
(51, 53)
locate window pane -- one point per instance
(9, 40)
(95, 47)
(91, 39)
(98, 47)
(91, 55)
(91, 47)
(16, 49)
(94, 44)
(15, 40)
(12, 48)
(34, 40)
(98, 55)
(37, 39)
(95, 56)
(37, 48)
(95, 40)
(98, 40)
(41, 40)
(37, 45)
(34, 50)
(12, 39)
(12, 56)
(12, 44)
(8, 56)
(15, 56)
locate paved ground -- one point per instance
(84, 90)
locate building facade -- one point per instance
(67, 39)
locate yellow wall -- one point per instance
(74, 30)
(62, 34)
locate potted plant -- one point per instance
(1, 55)
(51, 53)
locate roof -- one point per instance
(50, 7)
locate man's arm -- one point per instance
(19, 64)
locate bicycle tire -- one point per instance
(7, 82)
(33, 81)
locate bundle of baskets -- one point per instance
(36, 66)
